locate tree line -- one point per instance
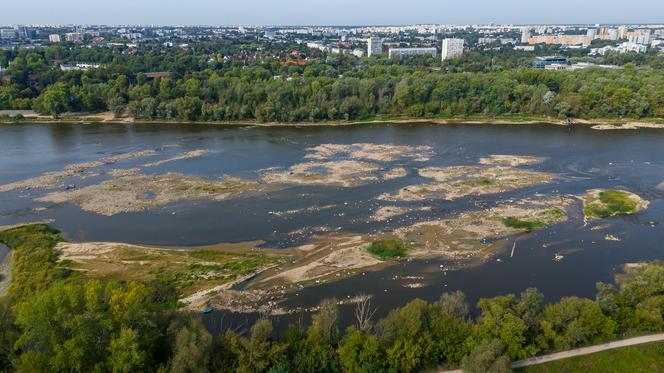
(54, 319)
(205, 86)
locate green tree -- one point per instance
(192, 348)
(52, 101)
(125, 354)
(360, 351)
(487, 357)
(454, 305)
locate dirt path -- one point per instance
(5, 274)
(588, 350)
(581, 351)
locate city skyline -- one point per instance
(340, 12)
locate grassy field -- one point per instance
(634, 359)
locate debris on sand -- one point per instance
(186, 155)
(55, 179)
(395, 173)
(347, 173)
(372, 152)
(387, 212)
(456, 182)
(604, 203)
(128, 156)
(123, 172)
(627, 126)
(138, 192)
(478, 233)
(511, 160)
(347, 165)
(325, 257)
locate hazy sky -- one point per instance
(328, 12)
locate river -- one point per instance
(582, 158)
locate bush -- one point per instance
(387, 248)
(523, 224)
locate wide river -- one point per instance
(582, 158)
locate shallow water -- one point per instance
(583, 158)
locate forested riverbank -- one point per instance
(197, 86)
(114, 325)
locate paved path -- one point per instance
(582, 351)
(588, 350)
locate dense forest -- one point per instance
(232, 82)
(54, 319)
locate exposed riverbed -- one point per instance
(322, 193)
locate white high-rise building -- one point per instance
(452, 48)
(613, 34)
(525, 35)
(374, 46)
(54, 38)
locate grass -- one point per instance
(387, 249)
(476, 182)
(554, 213)
(35, 264)
(523, 224)
(634, 359)
(185, 270)
(611, 203)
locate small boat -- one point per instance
(208, 310)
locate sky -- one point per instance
(328, 12)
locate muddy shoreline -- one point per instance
(597, 123)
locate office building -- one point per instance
(374, 46)
(54, 38)
(7, 34)
(408, 52)
(543, 62)
(452, 48)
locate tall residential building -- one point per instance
(613, 34)
(622, 32)
(374, 46)
(75, 37)
(54, 38)
(591, 33)
(525, 35)
(452, 48)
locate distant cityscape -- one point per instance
(438, 41)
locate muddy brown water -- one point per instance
(583, 158)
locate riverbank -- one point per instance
(108, 118)
(6, 274)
